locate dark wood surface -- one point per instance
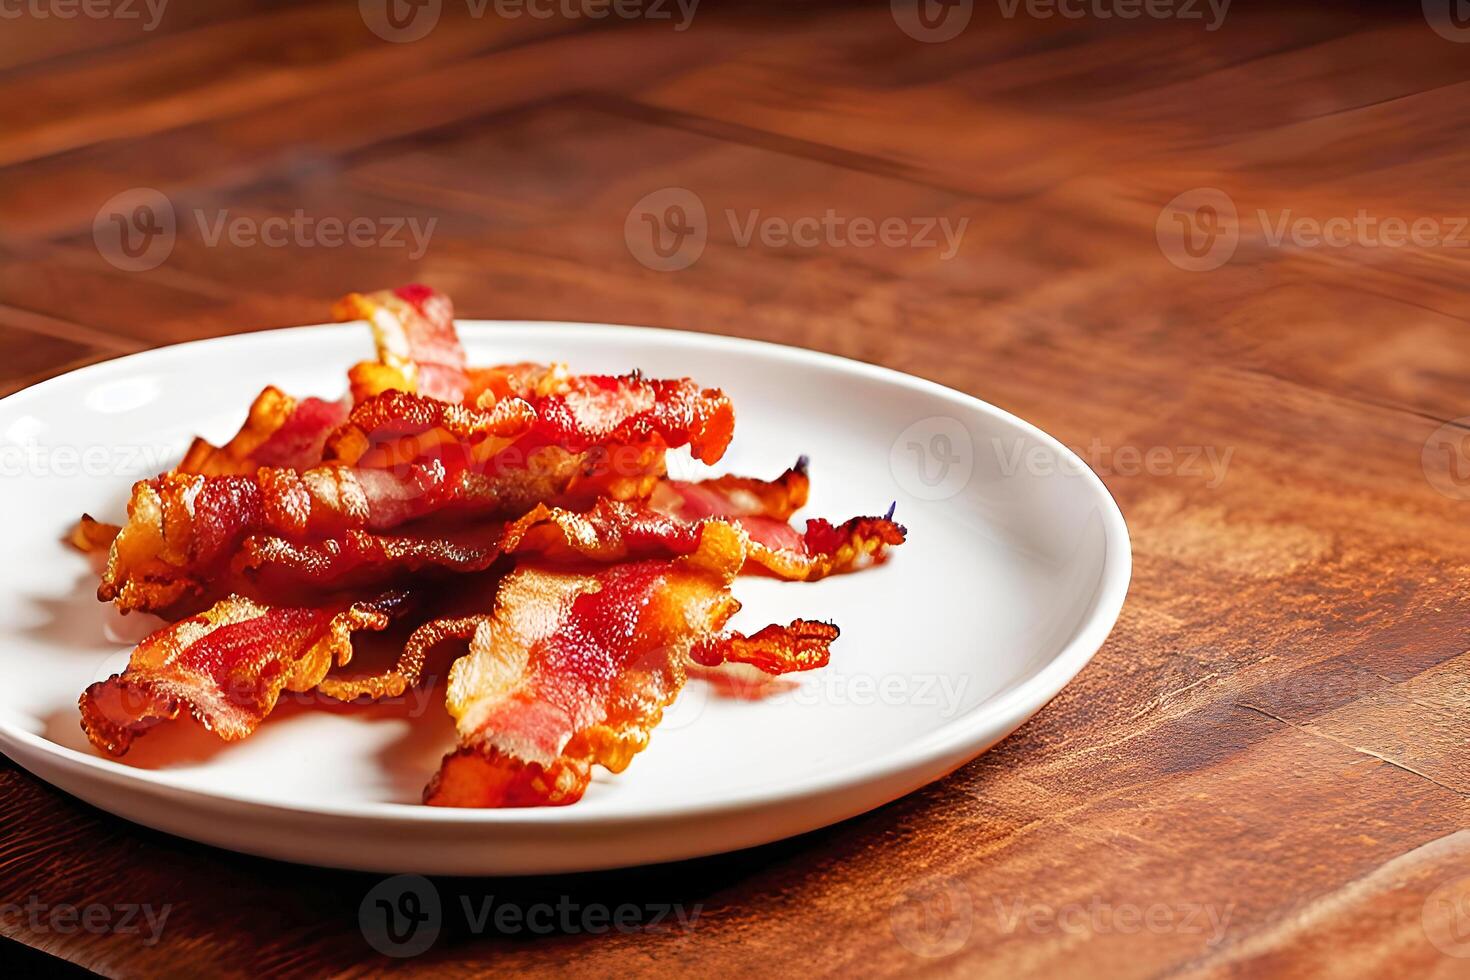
(1263, 770)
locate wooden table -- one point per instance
(1264, 769)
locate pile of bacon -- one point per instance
(521, 514)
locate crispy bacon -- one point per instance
(91, 535)
(418, 347)
(611, 531)
(574, 669)
(413, 457)
(619, 580)
(226, 667)
(772, 650)
(524, 380)
(736, 496)
(579, 414)
(764, 508)
(278, 432)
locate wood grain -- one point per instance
(1264, 769)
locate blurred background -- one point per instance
(503, 151)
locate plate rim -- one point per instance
(1003, 712)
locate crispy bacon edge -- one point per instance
(226, 666)
(764, 508)
(417, 344)
(610, 531)
(279, 431)
(91, 535)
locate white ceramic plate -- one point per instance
(1014, 571)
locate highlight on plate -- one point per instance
(519, 518)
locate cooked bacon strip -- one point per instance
(574, 669)
(772, 650)
(525, 381)
(736, 496)
(226, 667)
(824, 549)
(611, 531)
(763, 510)
(418, 347)
(414, 457)
(91, 534)
(279, 432)
(584, 413)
